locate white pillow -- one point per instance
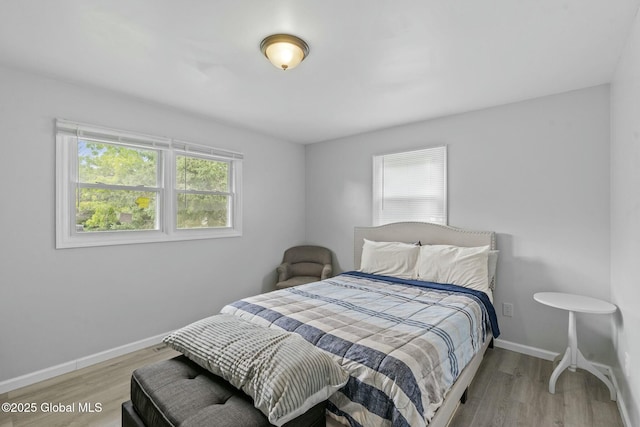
(389, 259)
(454, 265)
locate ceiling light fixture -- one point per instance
(284, 50)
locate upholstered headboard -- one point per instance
(426, 233)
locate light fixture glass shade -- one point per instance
(284, 51)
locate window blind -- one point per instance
(115, 136)
(111, 136)
(410, 186)
(190, 148)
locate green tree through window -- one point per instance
(111, 193)
(203, 192)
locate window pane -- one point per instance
(116, 165)
(201, 174)
(418, 209)
(115, 210)
(202, 211)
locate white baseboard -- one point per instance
(624, 414)
(549, 355)
(83, 362)
(545, 354)
(525, 349)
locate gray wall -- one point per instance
(625, 220)
(536, 172)
(59, 305)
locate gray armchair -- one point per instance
(304, 264)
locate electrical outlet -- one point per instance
(507, 309)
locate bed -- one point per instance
(411, 347)
(395, 342)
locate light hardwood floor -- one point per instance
(509, 390)
(106, 383)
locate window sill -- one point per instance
(137, 237)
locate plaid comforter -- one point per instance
(404, 343)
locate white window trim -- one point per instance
(66, 175)
(378, 183)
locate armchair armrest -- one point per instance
(327, 271)
(284, 271)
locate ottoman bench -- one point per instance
(178, 392)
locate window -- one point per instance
(115, 187)
(410, 186)
(203, 195)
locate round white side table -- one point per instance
(573, 358)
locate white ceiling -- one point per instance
(373, 63)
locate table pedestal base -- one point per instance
(573, 359)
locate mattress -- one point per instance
(403, 342)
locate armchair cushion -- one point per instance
(306, 269)
(296, 281)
